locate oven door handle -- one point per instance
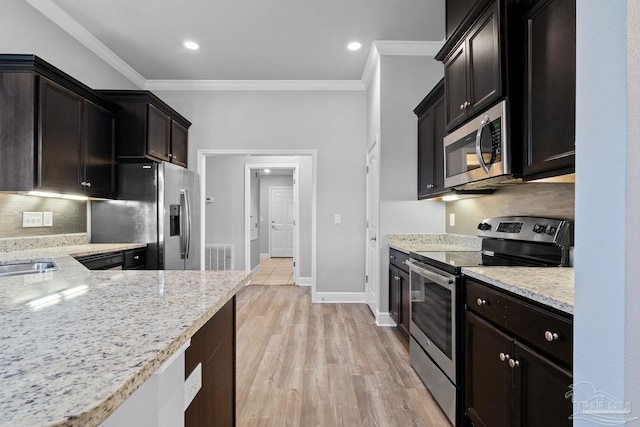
(429, 274)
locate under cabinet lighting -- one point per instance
(56, 195)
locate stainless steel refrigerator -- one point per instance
(158, 204)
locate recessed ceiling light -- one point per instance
(266, 170)
(189, 44)
(354, 46)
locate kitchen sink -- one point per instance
(14, 268)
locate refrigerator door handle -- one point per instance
(183, 224)
(188, 219)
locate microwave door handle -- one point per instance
(483, 124)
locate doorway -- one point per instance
(371, 274)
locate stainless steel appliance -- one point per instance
(477, 155)
(436, 309)
(158, 204)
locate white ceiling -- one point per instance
(252, 39)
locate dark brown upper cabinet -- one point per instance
(550, 92)
(473, 70)
(430, 114)
(57, 134)
(149, 129)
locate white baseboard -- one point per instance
(305, 281)
(255, 270)
(267, 255)
(339, 297)
(384, 319)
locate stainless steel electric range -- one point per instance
(437, 308)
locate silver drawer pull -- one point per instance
(503, 356)
(136, 257)
(481, 302)
(513, 363)
(550, 336)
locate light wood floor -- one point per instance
(303, 364)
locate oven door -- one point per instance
(433, 315)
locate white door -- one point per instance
(371, 274)
(281, 214)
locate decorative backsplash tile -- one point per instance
(552, 200)
(69, 216)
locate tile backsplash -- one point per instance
(540, 199)
(69, 216)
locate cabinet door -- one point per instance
(483, 61)
(394, 294)
(179, 144)
(455, 87)
(60, 138)
(426, 154)
(550, 88)
(405, 302)
(540, 391)
(158, 133)
(456, 11)
(214, 346)
(99, 153)
(487, 377)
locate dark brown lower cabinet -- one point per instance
(510, 384)
(214, 345)
(399, 302)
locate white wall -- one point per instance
(403, 82)
(601, 178)
(25, 30)
(632, 314)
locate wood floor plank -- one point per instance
(303, 364)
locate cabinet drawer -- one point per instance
(398, 258)
(134, 258)
(540, 328)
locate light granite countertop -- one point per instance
(433, 242)
(75, 344)
(552, 286)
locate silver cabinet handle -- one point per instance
(136, 257)
(550, 336)
(374, 239)
(392, 256)
(481, 302)
(462, 106)
(513, 363)
(503, 356)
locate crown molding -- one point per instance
(397, 48)
(58, 16)
(256, 85)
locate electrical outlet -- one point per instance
(337, 219)
(452, 220)
(31, 219)
(47, 219)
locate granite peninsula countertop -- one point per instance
(75, 343)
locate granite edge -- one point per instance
(11, 244)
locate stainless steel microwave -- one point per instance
(476, 155)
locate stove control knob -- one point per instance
(484, 226)
(551, 230)
(539, 228)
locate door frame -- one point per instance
(295, 213)
(373, 272)
(201, 163)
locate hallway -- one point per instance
(274, 271)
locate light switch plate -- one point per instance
(31, 219)
(47, 219)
